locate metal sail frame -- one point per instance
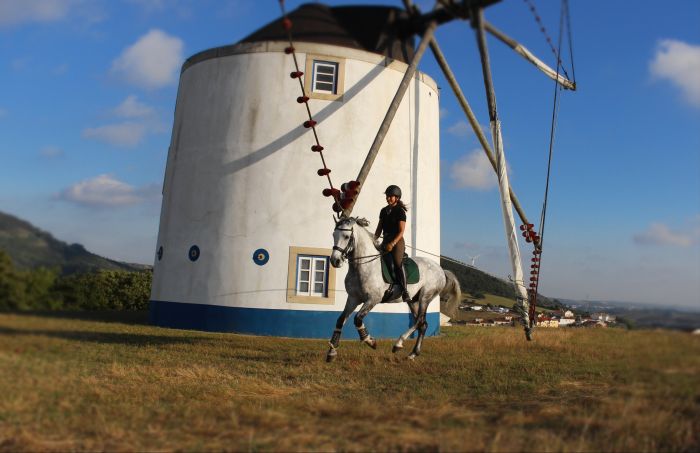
(472, 10)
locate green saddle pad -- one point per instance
(412, 274)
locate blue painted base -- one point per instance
(278, 323)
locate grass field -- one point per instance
(72, 384)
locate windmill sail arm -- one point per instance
(451, 79)
(529, 56)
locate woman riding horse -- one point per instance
(392, 223)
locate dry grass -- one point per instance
(89, 385)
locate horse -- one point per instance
(365, 286)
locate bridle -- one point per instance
(351, 243)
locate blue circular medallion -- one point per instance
(260, 257)
(194, 253)
(160, 253)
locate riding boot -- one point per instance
(391, 292)
(401, 280)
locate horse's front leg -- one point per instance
(359, 323)
(334, 342)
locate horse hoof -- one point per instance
(373, 344)
(396, 348)
(412, 357)
(528, 334)
(332, 354)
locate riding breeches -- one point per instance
(397, 254)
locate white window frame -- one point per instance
(313, 279)
(334, 74)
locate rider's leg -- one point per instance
(399, 271)
(389, 261)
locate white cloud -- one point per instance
(661, 234)
(51, 152)
(105, 191)
(140, 119)
(473, 171)
(463, 129)
(444, 113)
(460, 129)
(132, 108)
(151, 62)
(679, 62)
(127, 134)
(14, 12)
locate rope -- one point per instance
(304, 99)
(569, 32)
(556, 54)
(552, 133)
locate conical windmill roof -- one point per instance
(379, 29)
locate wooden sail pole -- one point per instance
(522, 303)
(449, 75)
(525, 53)
(391, 112)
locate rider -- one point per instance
(392, 222)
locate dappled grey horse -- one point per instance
(365, 285)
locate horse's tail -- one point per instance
(450, 295)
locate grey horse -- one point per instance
(365, 285)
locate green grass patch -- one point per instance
(72, 384)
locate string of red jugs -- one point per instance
(531, 236)
(345, 196)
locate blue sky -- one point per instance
(88, 93)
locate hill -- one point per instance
(476, 282)
(86, 385)
(30, 248)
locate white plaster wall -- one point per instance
(241, 176)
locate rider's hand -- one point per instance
(389, 247)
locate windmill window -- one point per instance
(310, 278)
(325, 77)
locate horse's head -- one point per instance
(343, 240)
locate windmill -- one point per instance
(242, 241)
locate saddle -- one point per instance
(412, 273)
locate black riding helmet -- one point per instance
(393, 190)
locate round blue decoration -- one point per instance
(260, 257)
(160, 253)
(194, 253)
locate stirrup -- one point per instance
(390, 294)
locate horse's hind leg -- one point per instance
(361, 329)
(334, 342)
(399, 343)
(422, 327)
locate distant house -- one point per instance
(546, 321)
(602, 317)
(567, 322)
(477, 307)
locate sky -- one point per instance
(88, 92)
